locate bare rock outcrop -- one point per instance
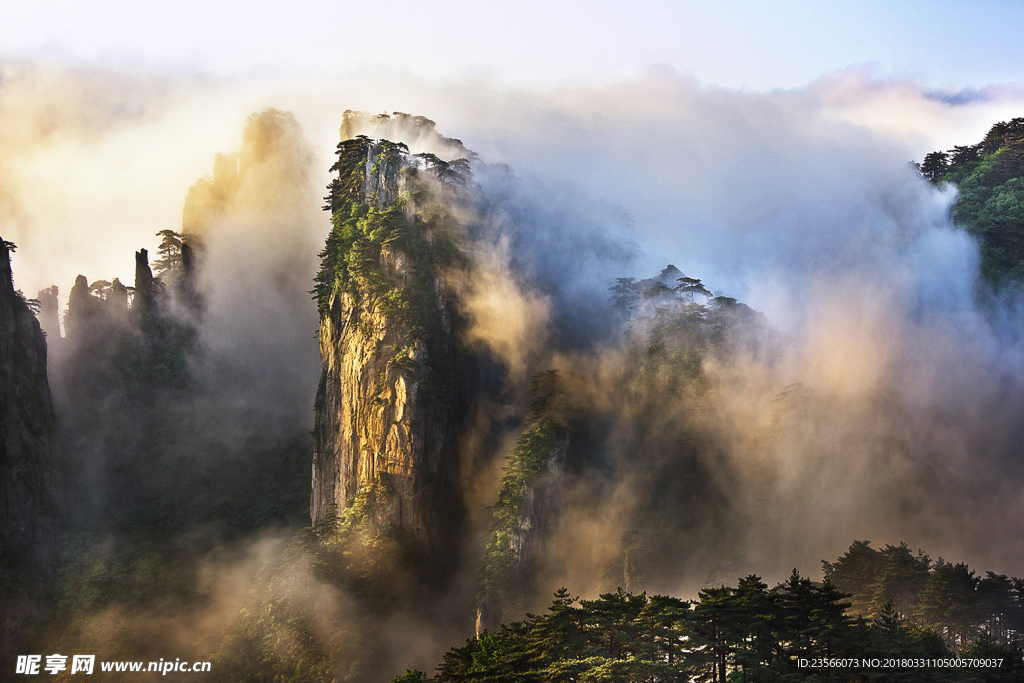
(30, 492)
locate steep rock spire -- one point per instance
(390, 397)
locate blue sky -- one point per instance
(732, 43)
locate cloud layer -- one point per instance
(800, 203)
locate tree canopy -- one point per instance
(889, 602)
(990, 178)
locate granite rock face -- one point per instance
(393, 383)
(31, 495)
(373, 419)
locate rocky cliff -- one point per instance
(390, 395)
(29, 475)
(49, 319)
(529, 502)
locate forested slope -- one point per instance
(873, 604)
(989, 177)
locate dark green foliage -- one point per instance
(995, 213)
(153, 356)
(132, 573)
(990, 179)
(624, 295)
(375, 563)
(891, 636)
(691, 286)
(947, 598)
(746, 633)
(893, 575)
(1000, 603)
(362, 230)
(448, 172)
(949, 602)
(934, 166)
(278, 644)
(351, 256)
(678, 332)
(963, 157)
(987, 647)
(388, 160)
(900, 578)
(168, 262)
(855, 573)
(32, 304)
(345, 202)
(542, 440)
(751, 632)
